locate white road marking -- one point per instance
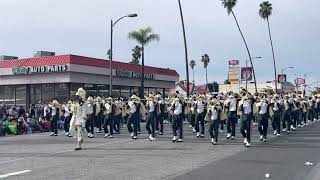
(14, 173)
(65, 151)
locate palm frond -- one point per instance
(265, 9)
(229, 5)
(144, 36)
(152, 37)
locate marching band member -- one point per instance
(134, 106)
(276, 114)
(79, 116)
(311, 107)
(151, 117)
(91, 111)
(177, 122)
(67, 117)
(286, 121)
(54, 117)
(231, 105)
(99, 113)
(161, 106)
(118, 115)
(200, 115)
(214, 109)
(304, 107)
(263, 117)
(109, 118)
(246, 113)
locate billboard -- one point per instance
(282, 78)
(246, 74)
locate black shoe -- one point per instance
(77, 148)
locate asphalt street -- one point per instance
(40, 156)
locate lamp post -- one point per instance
(185, 47)
(111, 47)
(282, 72)
(247, 70)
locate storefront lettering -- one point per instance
(130, 74)
(39, 69)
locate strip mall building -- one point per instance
(42, 78)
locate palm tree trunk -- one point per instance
(244, 40)
(193, 75)
(185, 48)
(207, 76)
(142, 75)
(274, 59)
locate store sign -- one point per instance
(39, 69)
(300, 81)
(233, 62)
(233, 74)
(130, 74)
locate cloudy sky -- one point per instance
(82, 27)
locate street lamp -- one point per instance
(282, 70)
(247, 70)
(111, 47)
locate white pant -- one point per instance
(79, 136)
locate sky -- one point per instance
(82, 27)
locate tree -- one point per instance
(229, 5)
(109, 53)
(265, 12)
(136, 55)
(206, 59)
(192, 65)
(143, 37)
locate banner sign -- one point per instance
(282, 78)
(300, 81)
(246, 74)
(39, 69)
(233, 62)
(130, 74)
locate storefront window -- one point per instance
(7, 94)
(47, 92)
(103, 90)
(91, 89)
(125, 91)
(21, 95)
(135, 90)
(152, 90)
(62, 92)
(116, 91)
(35, 93)
(74, 88)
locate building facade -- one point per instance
(28, 81)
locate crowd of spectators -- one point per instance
(16, 120)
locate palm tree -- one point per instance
(265, 12)
(229, 5)
(143, 37)
(206, 59)
(192, 65)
